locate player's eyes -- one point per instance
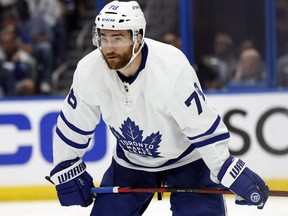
(118, 40)
(103, 40)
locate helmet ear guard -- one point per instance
(138, 36)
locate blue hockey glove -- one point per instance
(246, 184)
(72, 183)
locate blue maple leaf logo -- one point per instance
(131, 139)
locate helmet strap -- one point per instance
(134, 55)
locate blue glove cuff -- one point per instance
(73, 171)
(72, 183)
(230, 171)
(243, 182)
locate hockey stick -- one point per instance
(98, 190)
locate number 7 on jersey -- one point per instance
(194, 96)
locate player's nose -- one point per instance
(109, 49)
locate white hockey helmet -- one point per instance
(120, 16)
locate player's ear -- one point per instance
(139, 41)
(139, 38)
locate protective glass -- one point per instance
(102, 41)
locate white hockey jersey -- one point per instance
(160, 118)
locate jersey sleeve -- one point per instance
(75, 124)
(199, 121)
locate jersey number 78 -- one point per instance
(195, 96)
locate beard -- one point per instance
(117, 61)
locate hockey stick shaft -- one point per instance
(98, 190)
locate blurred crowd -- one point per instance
(227, 66)
(34, 35)
(33, 43)
(235, 60)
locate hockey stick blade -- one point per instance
(98, 190)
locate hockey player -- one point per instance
(151, 100)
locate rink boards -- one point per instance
(258, 124)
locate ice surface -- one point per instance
(274, 207)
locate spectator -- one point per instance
(17, 65)
(71, 11)
(250, 69)
(208, 77)
(156, 13)
(282, 42)
(50, 11)
(222, 61)
(245, 44)
(7, 82)
(283, 71)
(282, 29)
(9, 20)
(173, 39)
(40, 35)
(6, 5)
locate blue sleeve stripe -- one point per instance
(209, 131)
(72, 127)
(70, 142)
(212, 140)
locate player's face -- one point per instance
(116, 47)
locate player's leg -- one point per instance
(128, 204)
(194, 175)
